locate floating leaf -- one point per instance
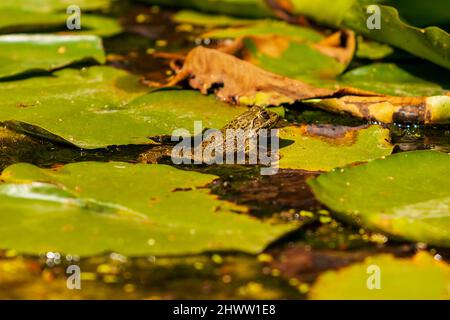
(372, 50)
(92, 108)
(54, 5)
(289, 50)
(239, 8)
(89, 208)
(49, 52)
(398, 80)
(266, 28)
(51, 15)
(431, 43)
(297, 60)
(323, 148)
(208, 20)
(419, 278)
(406, 195)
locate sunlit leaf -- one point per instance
(92, 108)
(88, 208)
(405, 195)
(323, 148)
(49, 52)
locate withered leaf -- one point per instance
(240, 82)
(419, 110)
(340, 46)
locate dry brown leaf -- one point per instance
(237, 81)
(340, 46)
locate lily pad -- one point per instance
(208, 20)
(297, 61)
(93, 108)
(89, 208)
(406, 195)
(49, 52)
(289, 50)
(373, 50)
(266, 28)
(418, 278)
(51, 16)
(396, 80)
(55, 5)
(239, 8)
(430, 43)
(323, 148)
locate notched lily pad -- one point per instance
(405, 195)
(88, 208)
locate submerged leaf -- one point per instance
(49, 52)
(405, 195)
(323, 148)
(89, 208)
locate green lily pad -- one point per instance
(419, 278)
(55, 5)
(299, 61)
(291, 53)
(208, 20)
(266, 28)
(239, 8)
(49, 52)
(93, 108)
(89, 208)
(395, 79)
(406, 195)
(311, 149)
(372, 50)
(430, 43)
(50, 15)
